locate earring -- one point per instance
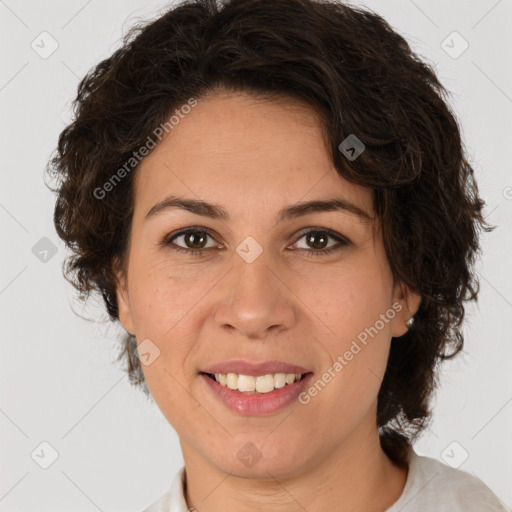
(410, 322)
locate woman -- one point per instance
(274, 201)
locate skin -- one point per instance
(254, 157)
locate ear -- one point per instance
(123, 301)
(409, 302)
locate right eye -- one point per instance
(194, 240)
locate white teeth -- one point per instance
(246, 383)
(232, 381)
(280, 380)
(259, 384)
(290, 378)
(264, 383)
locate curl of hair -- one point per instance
(362, 78)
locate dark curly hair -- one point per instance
(363, 79)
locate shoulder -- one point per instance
(173, 499)
(432, 485)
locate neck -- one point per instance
(357, 475)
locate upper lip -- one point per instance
(242, 367)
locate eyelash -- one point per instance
(167, 242)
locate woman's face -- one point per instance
(260, 287)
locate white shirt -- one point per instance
(431, 486)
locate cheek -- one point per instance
(356, 321)
(164, 296)
(166, 310)
(346, 391)
(185, 414)
(349, 301)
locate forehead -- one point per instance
(250, 153)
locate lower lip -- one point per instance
(258, 403)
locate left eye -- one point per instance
(317, 237)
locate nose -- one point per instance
(254, 300)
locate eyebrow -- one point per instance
(205, 209)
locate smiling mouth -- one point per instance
(260, 384)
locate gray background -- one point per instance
(57, 381)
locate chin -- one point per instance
(261, 460)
